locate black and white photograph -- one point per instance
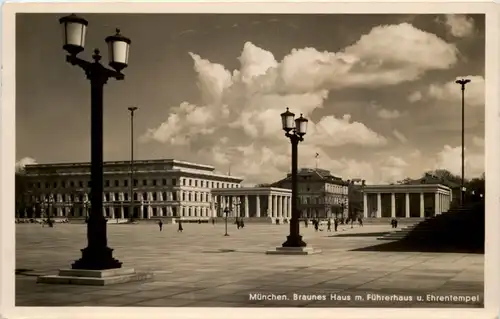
(210, 160)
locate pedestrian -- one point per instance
(213, 221)
(237, 223)
(352, 222)
(329, 225)
(316, 225)
(306, 222)
(395, 223)
(336, 223)
(242, 224)
(180, 229)
(360, 220)
(160, 224)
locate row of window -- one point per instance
(155, 212)
(144, 182)
(322, 200)
(185, 196)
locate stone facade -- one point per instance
(249, 202)
(161, 188)
(405, 201)
(320, 193)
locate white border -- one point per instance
(7, 143)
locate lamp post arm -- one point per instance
(94, 68)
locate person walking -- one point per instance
(180, 229)
(329, 225)
(160, 224)
(316, 225)
(213, 221)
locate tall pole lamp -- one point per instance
(295, 129)
(462, 83)
(97, 255)
(226, 211)
(131, 208)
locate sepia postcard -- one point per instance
(291, 159)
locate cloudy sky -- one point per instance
(378, 90)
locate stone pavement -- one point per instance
(202, 268)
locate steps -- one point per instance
(461, 227)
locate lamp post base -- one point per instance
(96, 258)
(294, 241)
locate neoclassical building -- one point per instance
(161, 188)
(320, 193)
(406, 200)
(253, 202)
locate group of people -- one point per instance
(239, 224)
(336, 222)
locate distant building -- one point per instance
(430, 179)
(355, 197)
(320, 193)
(161, 188)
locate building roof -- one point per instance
(315, 174)
(431, 179)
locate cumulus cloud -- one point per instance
(451, 91)
(388, 114)
(459, 25)
(399, 136)
(23, 162)
(239, 122)
(450, 158)
(415, 97)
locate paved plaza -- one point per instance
(202, 268)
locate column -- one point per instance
(422, 206)
(365, 205)
(122, 212)
(280, 206)
(275, 206)
(257, 206)
(247, 213)
(379, 205)
(407, 205)
(112, 212)
(393, 205)
(269, 206)
(436, 203)
(290, 206)
(150, 211)
(285, 206)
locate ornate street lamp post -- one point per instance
(97, 255)
(226, 211)
(295, 129)
(131, 208)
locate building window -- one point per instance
(144, 182)
(145, 196)
(154, 182)
(125, 183)
(164, 196)
(106, 197)
(217, 184)
(154, 196)
(196, 183)
(189, 182)
(135, 196)
(89, 183)
(80, 184)
(117, 183)
(190, 196)
(47, 185)
(202, 184)
(106, 212)
(135, 182)
(154, 211)
(164, 181)
(71, 184)
(125, 196)
(106, 183)
(55, 184)
(174, 181)
(183, 196)
(174, 211)
(174, 196)
(117, 196)
(63, 184)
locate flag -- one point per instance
(317, 155)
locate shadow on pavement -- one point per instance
(408, 246)
(377, 234)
